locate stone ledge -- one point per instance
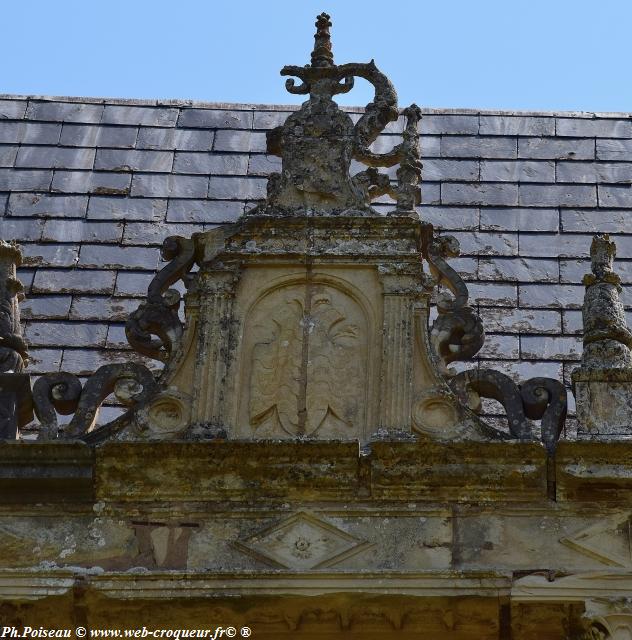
(594, 472)
(45, 472)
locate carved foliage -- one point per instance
(62, 393)
(457, 333)
(536, 399)
(159, 315)
(306, 363)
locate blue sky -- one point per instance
(511, 54)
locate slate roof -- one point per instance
(91, 187)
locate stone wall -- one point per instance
(91, 187)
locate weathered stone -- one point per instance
(558, 195)
(64, 111)
(519, 269)
(55, 158)
(25, 180)
(8, 153)
(517, 125)
(112, 208)
(71, 334)
(451, 218)
(502, 244)
(480, 194)
(75, 281)
(215, 164)
(42, 204)
(550, 296)
(42, 255)
(123, 160)
(12, 109)
(603, 383)
(91, 182)
(248, 141)
(517, 171)
(215, 119)
(175, 139)
(100, 308)
(438, 124)
(30, 133)
(521, 320)
(449, 170)
(520, 219)
(81, 231)
(97, 256)
(555, 149)
(207, 211)
(478, 147)
(77, 135)
(169, 186)
(46, 308)
(146, 116)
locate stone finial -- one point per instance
(322, 55)
(607, 339)
(603, 384)
(13, 354)
(318, 143)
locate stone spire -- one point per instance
(603, 384)
(322, 55)
(607, 339)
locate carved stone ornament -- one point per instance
(302, 541)
(603, 383)
(318, 142)
(308, 317)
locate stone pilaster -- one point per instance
(396, 383)
(215, 351)
(603, 383)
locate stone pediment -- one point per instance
(310, 317)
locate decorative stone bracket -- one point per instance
(536, 399)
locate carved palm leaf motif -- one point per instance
(275, 378)
(306, 373)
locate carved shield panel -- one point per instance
(307, 363)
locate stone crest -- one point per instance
(308, 318)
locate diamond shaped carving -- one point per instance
(302, 541)
(609, 541)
